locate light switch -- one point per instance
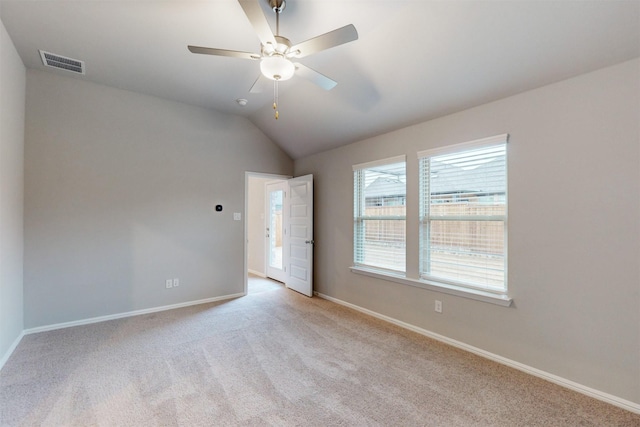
(237, 216)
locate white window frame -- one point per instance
(412, 278)
(426, 218)
(359, 215)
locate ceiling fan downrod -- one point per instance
(277, 6)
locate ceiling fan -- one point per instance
(277, 54)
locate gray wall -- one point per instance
(574, 230)
(120, 191)
(12, 99)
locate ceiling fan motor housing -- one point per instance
(281, 48)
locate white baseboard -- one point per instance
(127, 314)
(256, 273)
(597, 394)
(9, 352)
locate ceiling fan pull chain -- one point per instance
(275, 98)
(275, 82)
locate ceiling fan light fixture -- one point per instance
(277, 52)
(277, 67)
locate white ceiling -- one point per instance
(414, 60)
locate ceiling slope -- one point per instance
(413, 61)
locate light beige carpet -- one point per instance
(273, 358)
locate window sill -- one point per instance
(478, 295)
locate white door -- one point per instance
(299, 235)
(274, 232)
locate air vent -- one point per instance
(62, 62)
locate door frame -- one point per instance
(248, 175)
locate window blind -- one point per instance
(380, 216)
(463, 215)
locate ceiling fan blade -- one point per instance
(253, 10)
(260, 84)
(315, 77)
(223, 52)
(334, 38)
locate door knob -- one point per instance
(309, 242)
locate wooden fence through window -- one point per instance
(485, 237)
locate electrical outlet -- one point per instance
(168, 283)
(176, 283)
(438, 306)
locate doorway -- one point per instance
(279, 230)
(274, 219)
(256, 240)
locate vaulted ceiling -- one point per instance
(414, 60)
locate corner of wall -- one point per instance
(12, 114)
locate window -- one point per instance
(380, 214)
(463, 214)
(458, 226)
